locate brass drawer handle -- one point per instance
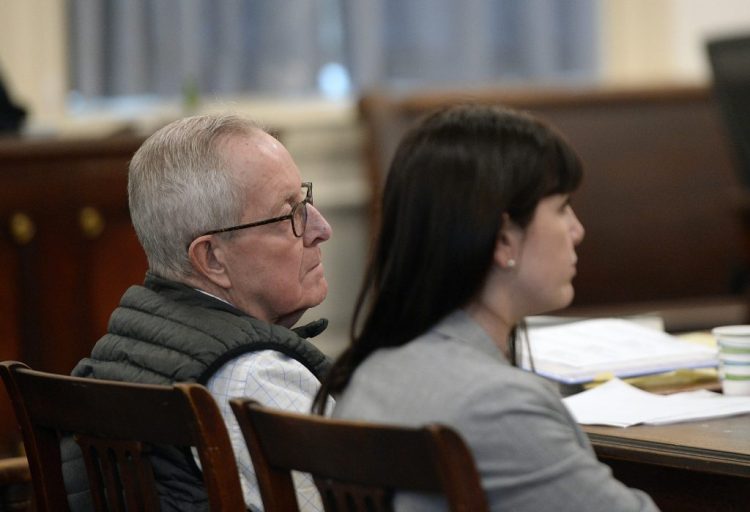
(91, 222)
(22, 228)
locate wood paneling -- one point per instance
(659, 194)
(67, 251)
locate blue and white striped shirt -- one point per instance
(275, 380)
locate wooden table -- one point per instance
(696, 466)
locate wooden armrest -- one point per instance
(14, 470)
(15, 485)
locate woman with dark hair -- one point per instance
(476, 233)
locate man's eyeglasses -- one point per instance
(298, 216)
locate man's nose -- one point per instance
(318, 230)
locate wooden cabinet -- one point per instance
(67, 251)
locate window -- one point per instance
(168, 48)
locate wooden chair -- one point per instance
(116, 422)
(356, 466)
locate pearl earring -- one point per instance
(511, 263)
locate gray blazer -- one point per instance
(530, 453)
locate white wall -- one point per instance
(695, 22)
(657, 41)
(33, 56)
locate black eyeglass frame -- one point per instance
(290, 216)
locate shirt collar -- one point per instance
(214, 296)
(461, 326)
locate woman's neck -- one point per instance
(493, 322)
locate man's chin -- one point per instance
(316, 294)
(313, 296)
(290, 319)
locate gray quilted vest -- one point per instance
(166, 332)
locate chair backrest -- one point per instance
(356, 466)
(115, 423)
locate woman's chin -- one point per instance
(562, 301)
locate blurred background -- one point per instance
(79, 61)
(98, 68)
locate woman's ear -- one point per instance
(207, 259)
(508, 243)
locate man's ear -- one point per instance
(207, 258)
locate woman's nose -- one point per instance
(579, 232)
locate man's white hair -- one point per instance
(180, 186)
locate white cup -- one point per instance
(734, 358)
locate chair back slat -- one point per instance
(343, 496)
(119, 469)
(356, 465)
(115, 424)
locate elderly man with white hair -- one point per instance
(233, 245)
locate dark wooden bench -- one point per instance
(659, 199)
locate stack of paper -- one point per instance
(580, 352)
(619, 404)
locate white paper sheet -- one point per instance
(619, 404)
